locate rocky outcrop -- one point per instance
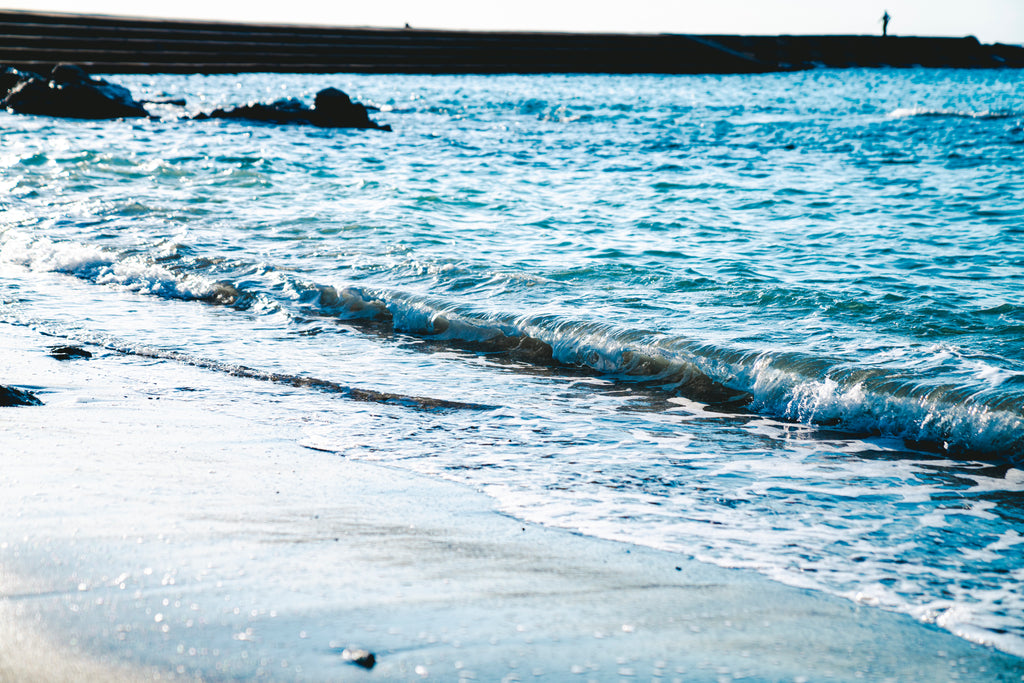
(68, 92)
(331, 109)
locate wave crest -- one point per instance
(924, 112)
(986, 420)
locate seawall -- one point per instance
(105, 44)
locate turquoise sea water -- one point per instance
(769, 321)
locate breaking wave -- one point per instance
(981, 419)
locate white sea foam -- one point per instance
(135, 273)
(43, 254)
(910, 112)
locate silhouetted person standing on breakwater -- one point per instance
(885, 23)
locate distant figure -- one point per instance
(407, 25)
(885, 23)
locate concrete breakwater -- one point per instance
(103, 44)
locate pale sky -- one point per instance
(989, 20)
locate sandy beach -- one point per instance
(154, 531)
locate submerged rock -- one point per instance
(68, 352)
(332, 108)
(68, 92)
(9, 396)
(279, 111)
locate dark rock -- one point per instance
(332, 108)
(9, 396)
(1008, 55)
(363, 658)
(10, 77)
(281, 111)
(68, 352)
(70, 92)
(72, 74)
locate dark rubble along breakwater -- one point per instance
(103, 44)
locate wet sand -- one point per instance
(161, 523)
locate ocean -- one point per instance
(771, 322)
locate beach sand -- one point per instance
(161, 521)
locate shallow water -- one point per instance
(770, 321)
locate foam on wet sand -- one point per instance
(155, 526)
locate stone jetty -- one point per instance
(36, 42)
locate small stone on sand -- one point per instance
(363, 658)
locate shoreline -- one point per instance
(168, 535)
